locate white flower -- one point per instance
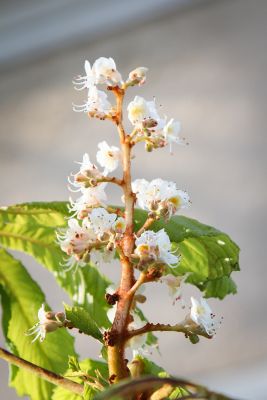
(91, 197)
(76, 239)
(174, 284)
(156, 246)
(97, 104)
(87, 174)
(141, 112)
(105, 255)
(87, 81)
(48, 322)
(171, 131)
(160, 195)
(101, 220)
(138, 75)
(165, 253)
(105, 71)
(108, 157)
(202, 315)
(119, 225)
(138, 341)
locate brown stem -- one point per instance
(182, 327)
(43, 373)
(146, 225)
(112, 179)
(117, 365)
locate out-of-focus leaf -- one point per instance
(21, 298)
(130, 387)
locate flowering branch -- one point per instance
(184, 327)
(42, 372)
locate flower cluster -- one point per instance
(160, 197)
(98, 232)
(91, 182)
(149, 127)
(49, 321)
(155, 248)
(95, 230)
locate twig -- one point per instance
(43, 373)
(138, 283)
(182, 327)
(112, 179)
(146, 225)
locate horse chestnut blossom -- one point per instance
(101, 221)
(171, 133)
(105, 71)
(108, 157)
(96, 105)
(98, 233)
(91, 197)
(202, 315)
(160, 197)
(76, 239)
(137, 76)
(142, 113)
(48, 322)
(174, 284)
(87, 176)
(154, 247)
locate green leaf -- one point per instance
(31, 228)
(21, 298)
(82, 320)
(210, 256)
(89, 367)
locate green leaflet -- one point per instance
(21, 298)
(82, 320)
(31, 228)
(210, 256)
(88, 366)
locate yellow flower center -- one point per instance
(176, 201)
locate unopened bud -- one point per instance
(193, 338)
(149, 147)
(149, 123)
(138, 76)
(140, 298)
(136, 367)
(60, 316)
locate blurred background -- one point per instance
(207, 65)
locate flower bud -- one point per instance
(149, 147)
(194, 339)
(136, 367)
(149, 123)
(138, 76)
